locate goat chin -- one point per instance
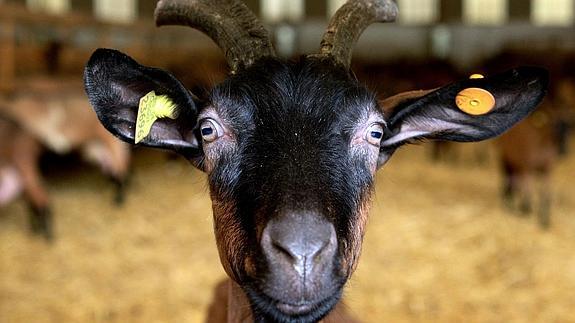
(231, 303)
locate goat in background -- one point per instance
(51, 115)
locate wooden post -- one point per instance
(519, 10)
(316, 9)
(7, 58)
(451, 11)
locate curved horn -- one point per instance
(349, 22)
(230, 24)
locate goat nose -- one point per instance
(303, 241)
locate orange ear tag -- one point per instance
(475, 101)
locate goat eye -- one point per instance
(210, 130)
(374, 134)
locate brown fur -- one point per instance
(528, 154)
(20, 151)
(353, 251)
(229, 236)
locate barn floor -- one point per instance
(439, 248)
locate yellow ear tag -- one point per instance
(476, 76)
(151, 108)
(475, 101)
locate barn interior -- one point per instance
(442, 244)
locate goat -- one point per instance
(530, 150)
(51, 115)
(290, 148)
(564, 99)
(19, 172)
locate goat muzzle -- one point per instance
(300, 250)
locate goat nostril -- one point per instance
(298, 253)
(283, 251)
(317, 255)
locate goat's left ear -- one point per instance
(434, 114)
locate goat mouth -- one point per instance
(279, 311)
(294, 309)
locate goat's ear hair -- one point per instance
(434, 114)
(115, 83)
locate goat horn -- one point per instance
(229, 23)
(349, 22)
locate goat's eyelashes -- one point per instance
(374, 134)
(210, 130)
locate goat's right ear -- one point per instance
(115, 83)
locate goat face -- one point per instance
(291, 148)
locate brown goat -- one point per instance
(530, 150)
(19, 154)
(528, 153)
(52, 114)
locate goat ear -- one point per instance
(115, 83)
(434, 114)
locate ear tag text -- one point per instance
(151, 108)
(475, 101)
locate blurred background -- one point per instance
(94, 231)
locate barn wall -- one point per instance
(466, 44)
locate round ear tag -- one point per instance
(475, 101)
(476, 76)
